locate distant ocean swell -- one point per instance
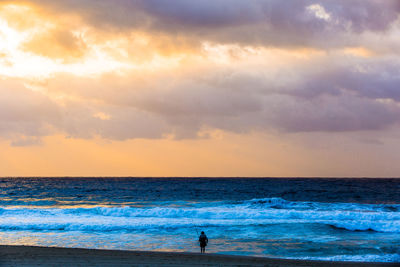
(348, 216)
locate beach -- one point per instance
(52, 256)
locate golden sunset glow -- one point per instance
(136, 89)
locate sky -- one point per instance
(265, 88)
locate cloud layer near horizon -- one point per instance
(129, 69)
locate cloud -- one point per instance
(370, 78)
(334, 114)
(248, 91)
(82, 121)
(255, 22)
(24, 114)
(22, 141)
(342, 98)
(56, 43)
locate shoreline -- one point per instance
(55, 256)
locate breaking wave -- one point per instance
(266, 211)
(356, 258)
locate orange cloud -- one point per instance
(359, 52)
(57, 44)
(22, 17)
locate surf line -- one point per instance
(195, 227)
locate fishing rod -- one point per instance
(194, 225)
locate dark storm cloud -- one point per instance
(259, 22)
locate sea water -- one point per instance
(297, 218)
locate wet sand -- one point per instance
(59, 257)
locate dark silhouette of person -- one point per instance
(203, 242)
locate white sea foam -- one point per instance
(355, 258)
(350, 216)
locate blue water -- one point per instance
(328, 219)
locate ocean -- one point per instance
(295, 218)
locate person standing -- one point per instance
(203, 242)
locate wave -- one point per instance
(355, 258)
(266, 211)
(282, 203)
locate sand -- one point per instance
(59, 257)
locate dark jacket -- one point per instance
(203, 240)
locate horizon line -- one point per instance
(210, 177)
